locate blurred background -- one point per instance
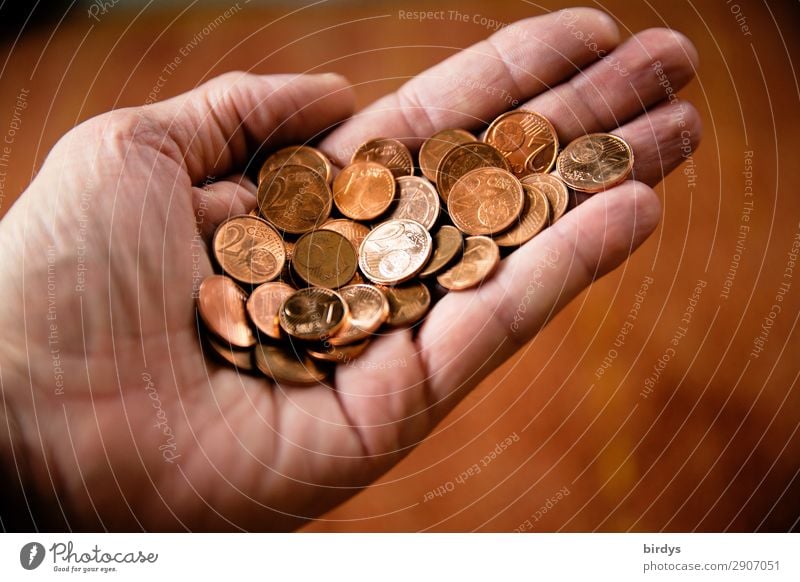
(604, 431)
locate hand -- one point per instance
(115, 412)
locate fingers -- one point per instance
(218, 201)
(217, 126)
(481, 82)
(662, 139)
(530, 287)
(643, 71)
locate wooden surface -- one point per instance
(714, 445)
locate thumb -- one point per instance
(217, 127)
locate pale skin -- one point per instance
(109, 404)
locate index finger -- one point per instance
(482, 81)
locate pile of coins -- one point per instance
(330, 258)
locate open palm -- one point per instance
(118, 419)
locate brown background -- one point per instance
(715, 446)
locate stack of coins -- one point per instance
(328, 259)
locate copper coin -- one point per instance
(286, 274)
(324, 258)
(555, 190)
(481, 257)
(363, 190)
(465, 158)
(595, 162)
(367, 310)
(294, 198)
(240, 359)
(220, 302)
(417, 200)
(353, 231)
(338, 354)
(448, 244)
(387, 152)
(298, 156)
(527, 140)
(312, 314)
(263, 306)
(395, 251)
(436, 147)
(407, 303)
(486, 201)
(283, 364)
(248, 249)
(535, 216)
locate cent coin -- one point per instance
(338, 354)
(284, 364)
(448, 244)
(407, 303)
(535, 216)
(363, 190)
(527, 140)
(294, 198)
(395, 251)
(436, 147)
(221, 304)
(555, 190)
(464, 158)
(263, 305)
(353, 231)
(299, 156)
(367, 310)
(387, 152)
(481, 257)
(248, 249)
(324, 258)
(595, 162)
(486, 201)
(417, 200)
(312, 314)
(241, 359)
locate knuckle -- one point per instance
(668, 45)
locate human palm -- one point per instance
(116, 411)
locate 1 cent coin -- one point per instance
(312, 314)
(367, 308)
(535, 216)
(395, 251)
(465, 158)
(417, 200)
(294, 198)
(284, 364)
(595, 162)
(407, 303)
(324, 258)
(555, 190)
(448, 244)
(299, 156)
(436, 147)
(221, 304)
(481, 257)
(387, 152)
(486, 201)
(363, 190)
(527, 140)
(248, 249)
(263, 306)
